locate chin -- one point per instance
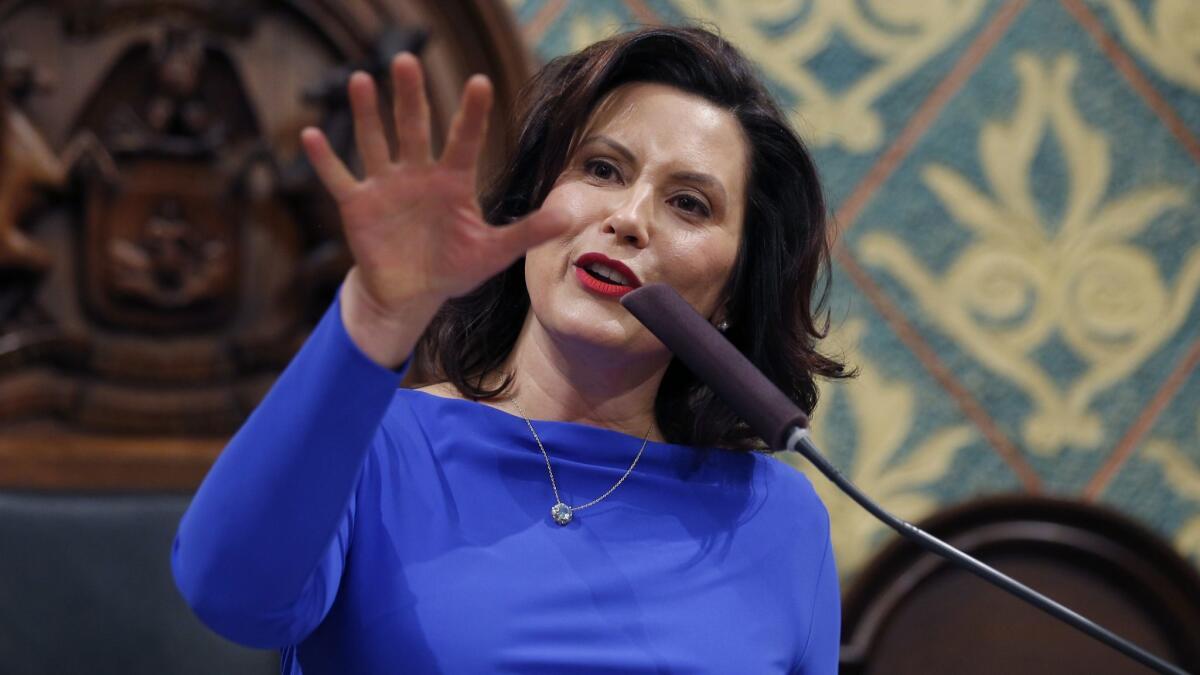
(587, 322)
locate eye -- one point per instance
(691, 204)
(602, 169)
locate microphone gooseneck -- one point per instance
(779, 422)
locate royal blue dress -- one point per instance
(362, 528)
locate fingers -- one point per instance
(533, 230)
(469, 125)
(411, 110)
(368, 129)
(333, 173)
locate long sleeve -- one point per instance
(824, 639)
(259, 552)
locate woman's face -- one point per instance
(656, 191)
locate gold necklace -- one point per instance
(560, 512)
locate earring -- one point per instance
(723, 326)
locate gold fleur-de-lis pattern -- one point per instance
(1182, 473)
(1167, 37)
(1017, 188)
(875, 460)
(897, 38)
(1023, 280)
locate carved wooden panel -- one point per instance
(164, 246)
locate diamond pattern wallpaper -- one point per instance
(1017, 190)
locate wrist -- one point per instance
(385, 335)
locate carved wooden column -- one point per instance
(164, 247)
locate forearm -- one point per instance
(270, 506)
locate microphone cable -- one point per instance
(775, 418)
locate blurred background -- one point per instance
(1015, 185)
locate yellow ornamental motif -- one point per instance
(1021, 281)
(899, 36)
(883, 412)
(1170, 41)
(1183, 476)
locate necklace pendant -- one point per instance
(562, 513)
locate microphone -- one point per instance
(716, 362)
(781, 423)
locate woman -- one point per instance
(547, 505)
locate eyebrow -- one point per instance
(616, 147)
(703, 179)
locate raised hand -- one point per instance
(413, 224)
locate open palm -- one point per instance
(413, 224)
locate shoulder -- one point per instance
(423, 401)
(421, 410)
(411, 430)
(791, 495)
(408, 415)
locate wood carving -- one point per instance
(162, 234)
(164, 248)
(26, 162)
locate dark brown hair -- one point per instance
(773, 305)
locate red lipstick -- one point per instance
(607, 287)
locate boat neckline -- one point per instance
(559, 424)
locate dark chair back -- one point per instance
(909, 612)
(86, 587)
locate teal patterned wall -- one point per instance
(1017, 185)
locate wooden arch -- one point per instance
(911, 612)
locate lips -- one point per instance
(605, 276)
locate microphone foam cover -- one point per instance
(717, 363)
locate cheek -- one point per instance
(699, 266)
(574, 199)
(549, 261)
(543, 264)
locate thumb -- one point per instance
(534, 229)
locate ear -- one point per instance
(719, 317)
(722, 312)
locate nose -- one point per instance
(631, 216)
